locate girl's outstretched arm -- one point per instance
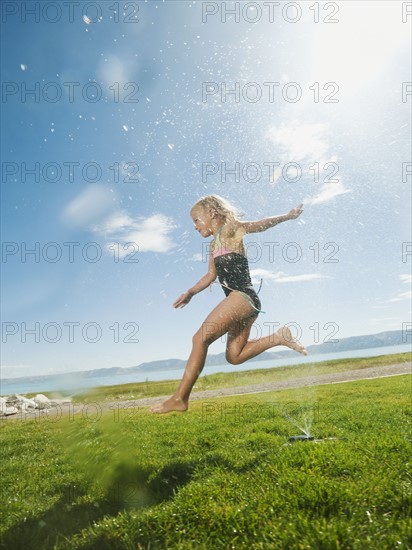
(203, 283)
(267, 223)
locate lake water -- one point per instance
(72, 385)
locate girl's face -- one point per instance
(202, 220)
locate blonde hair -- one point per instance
(221, 205)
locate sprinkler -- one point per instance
(305, 437)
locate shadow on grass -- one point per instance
(132, 488)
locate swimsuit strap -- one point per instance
(217, 239)
(250, 302)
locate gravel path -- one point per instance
(92, 411)
(347, 376)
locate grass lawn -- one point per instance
(222, 475)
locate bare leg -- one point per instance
(194, 366)
(232, 309)
(240, 349)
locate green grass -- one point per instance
(239, 378)
(220, 476)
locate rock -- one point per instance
(5, 409)
(29, 402)
(42, 401)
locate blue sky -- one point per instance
(112, 170)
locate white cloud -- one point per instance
(281, 277)
(113, 69)
(299, 141)
(88, 207)
(402, 296)
(405, 278)
(117, 221)
(93, 210)
(306, 144)
(327, 192)
(301, 278)
(198, 257)
(379, 319)
(150, 234)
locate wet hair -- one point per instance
(220, 205)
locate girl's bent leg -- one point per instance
(240, 349)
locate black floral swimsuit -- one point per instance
(233, 273)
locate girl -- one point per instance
(235, 315)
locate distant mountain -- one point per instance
(389, 338)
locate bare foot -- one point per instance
(286, 339)
(172, 404)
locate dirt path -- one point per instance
(347, 376)
(92, 410)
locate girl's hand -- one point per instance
(183, 300)
(296, 212)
